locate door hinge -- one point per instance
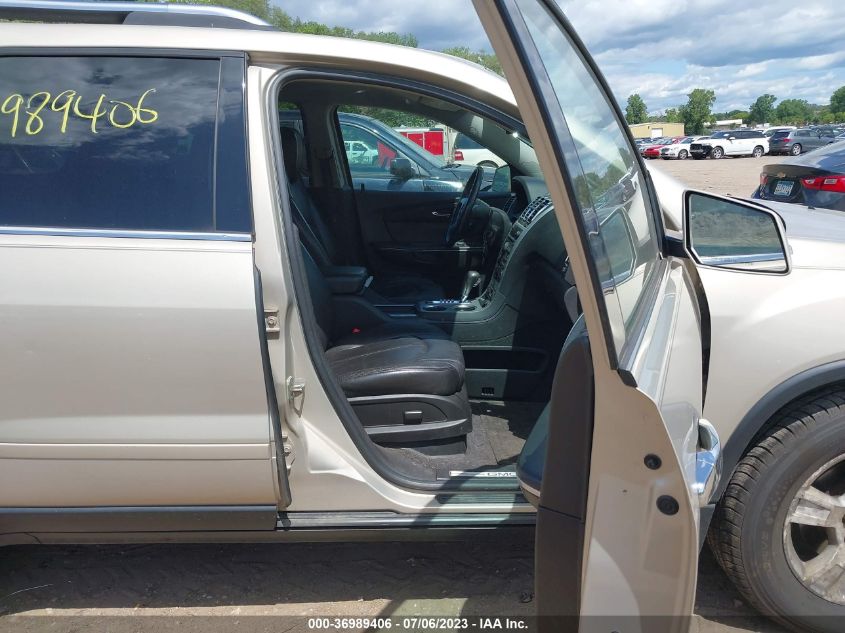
(272, 326)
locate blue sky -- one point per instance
(659, 48)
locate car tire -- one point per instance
(795, 150)
(758, 151)
(683, 155)
(717, 152)
(760, 550)
(488, 163)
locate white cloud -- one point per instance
(661, 49)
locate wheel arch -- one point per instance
(761, 416)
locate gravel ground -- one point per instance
(735, 176)
(42, 588)
(494, 577)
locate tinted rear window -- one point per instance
(120, 143)
(781, 134)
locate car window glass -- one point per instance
(462, 141)
(370, 154)
(606, 175)
(114, 143)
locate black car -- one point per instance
(816, 179)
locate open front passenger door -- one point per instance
(617, 531)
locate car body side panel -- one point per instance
(132, 373)
(762, 311)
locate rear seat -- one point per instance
(404, 379)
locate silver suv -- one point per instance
(209, 332)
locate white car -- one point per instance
(359, 153)
(679, 150)
(731, 143)
(466, 151)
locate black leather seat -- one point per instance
(404, 379)
(318, 239)
(400, 365)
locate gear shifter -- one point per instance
(470, 281)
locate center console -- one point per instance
(511, 334)
(499, 280)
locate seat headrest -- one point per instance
(293, 150)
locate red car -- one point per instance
(653, 151)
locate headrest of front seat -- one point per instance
(293, 150)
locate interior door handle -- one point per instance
(708, 461)
(441, 214)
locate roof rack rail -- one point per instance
(151, 14)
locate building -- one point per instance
(656, 129)
(727, 124)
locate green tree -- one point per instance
(636, 111)
(696, 112)
(837, 100)
(673, 115)
(488, 60)
(284, 22)
(762, 109)
(793, 111)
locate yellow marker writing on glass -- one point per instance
(69, 104)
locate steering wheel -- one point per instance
(463, 205)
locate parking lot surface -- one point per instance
(735, 176)
(48, 585)
(493, 577)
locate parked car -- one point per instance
(768, 132)
(212, 333)
(679, 149)
(371, 168)
(653, 150)
(798, 141)
(358, 153)
(828, 130)
(731, 143)
(470, 152)
(816, 179)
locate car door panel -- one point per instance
(638, 525)
(151, 354)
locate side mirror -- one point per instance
(731, 138)
(725, 233)
(501, 180)
(402, 168)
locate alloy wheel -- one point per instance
(814, 532)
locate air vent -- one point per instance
(533, 209)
